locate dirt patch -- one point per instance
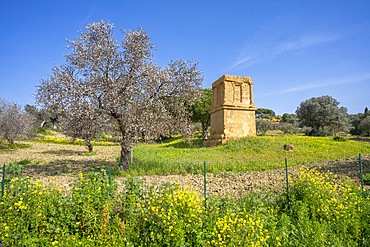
(233, 184)
(58, 159)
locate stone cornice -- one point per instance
(233, 107)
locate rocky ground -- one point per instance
(56, 164)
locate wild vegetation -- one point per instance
(186, 156)
(318, 210)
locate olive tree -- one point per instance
(263, 125)
(323, 113)
(201, 111)
(118, 80)
(265, 113)
(356, 119)
(15, 122)
(364, 126)
(290, 118)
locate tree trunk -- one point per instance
(89, 145)
(125, 158)
(11, 141)
(204, 130)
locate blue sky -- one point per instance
(293, 49)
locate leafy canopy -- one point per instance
(322, 112)
(201, 110)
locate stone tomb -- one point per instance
(233, 109)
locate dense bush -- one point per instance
(320, 210)
(339, 138)
(366, 178)
(263, 125)
(324, 210)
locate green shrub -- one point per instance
(366, 178)
(325, 210)
(46, 132)
(339, 138)
(15, 170)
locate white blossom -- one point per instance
(118, 83)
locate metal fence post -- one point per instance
(132, 155)
(3, 181)
(362, 179)
(110, 174)
(110, 179)
(287, 179)
(205, 184)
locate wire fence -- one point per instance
(361, 175)
(5, 178)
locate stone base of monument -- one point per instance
(215, 140)
(212, 141)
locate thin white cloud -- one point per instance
(307, 41)
(323, 83)
(241, 61)
(265, 49)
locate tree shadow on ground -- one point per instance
(360, 139)
(65, 167)
(63, 152)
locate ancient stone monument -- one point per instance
(233, 109)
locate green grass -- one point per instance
(46, 132)
(45, 135)
(179, 156)
(14, 146)
(66, 141)
(366, 178)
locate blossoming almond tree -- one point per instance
(15, 122)
(118, 80)
(84, 123)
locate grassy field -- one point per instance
(179, 156)
(55, 155)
